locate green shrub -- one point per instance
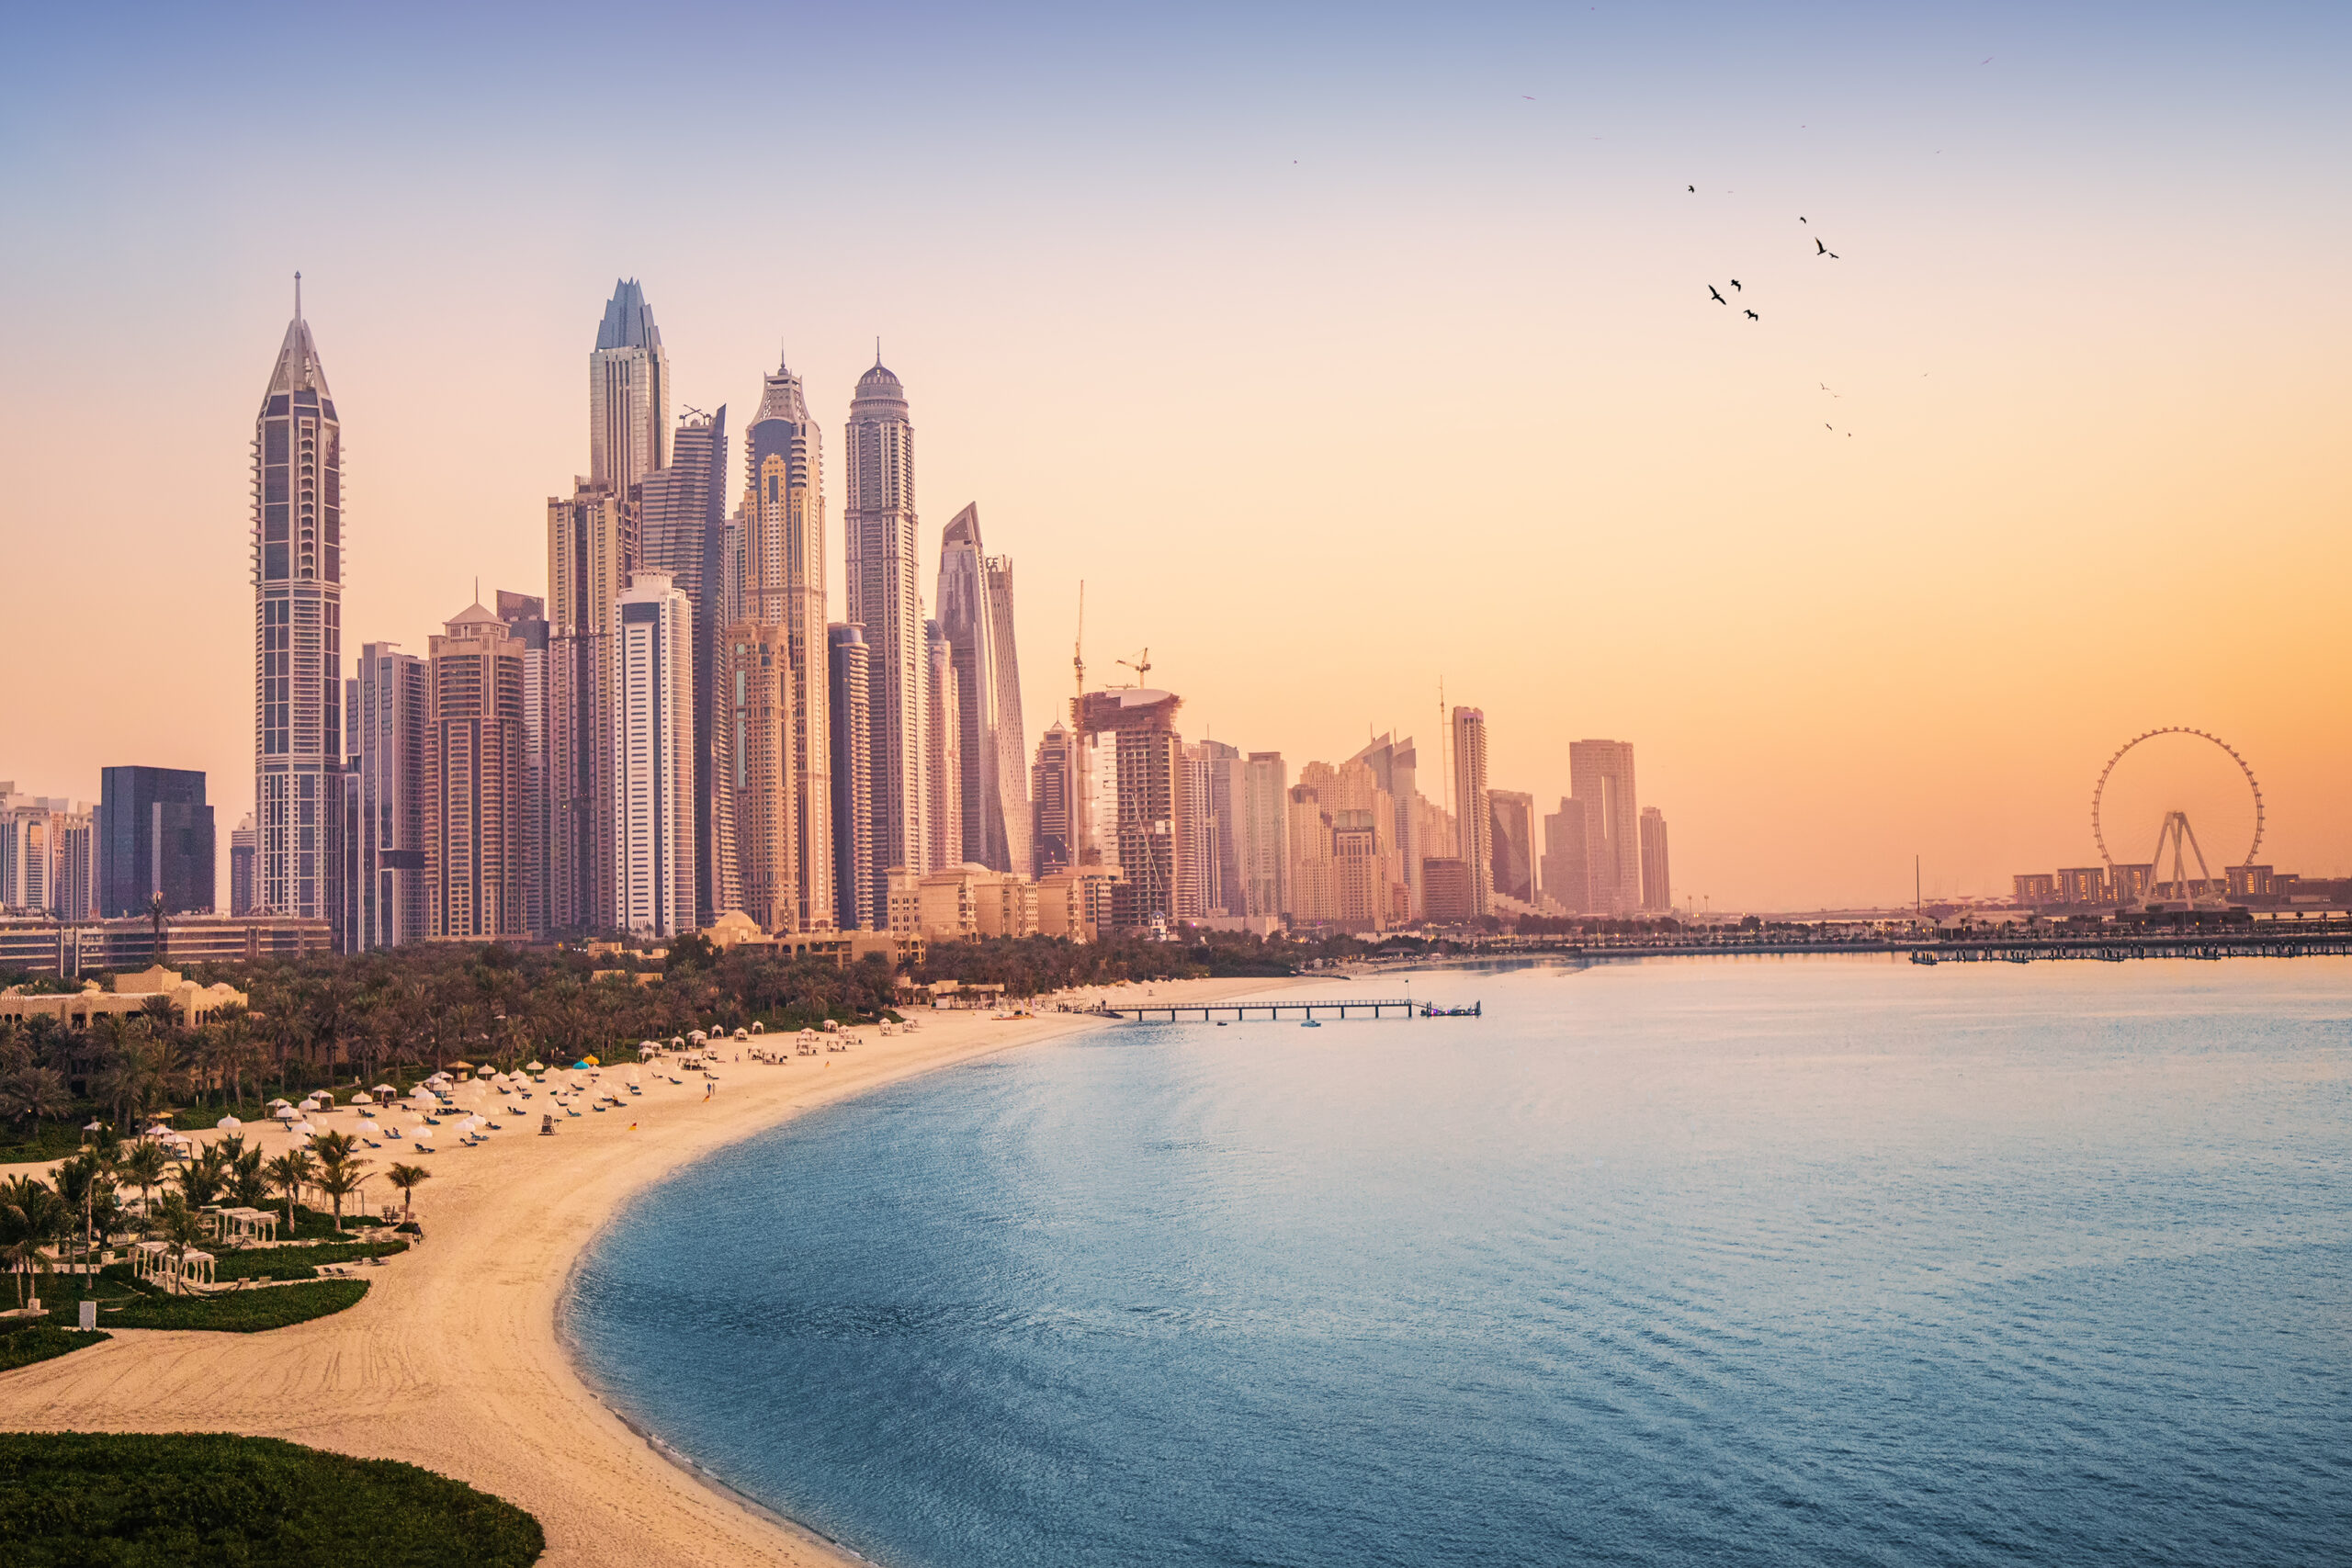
(141, 1501)
(299, 1262)
(38, 1339)
(239, 1312)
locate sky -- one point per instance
(1341, 352)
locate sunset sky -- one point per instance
(1339, 350)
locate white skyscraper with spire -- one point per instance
(886, 598)
(298, 634)
(783, 586)
(629, 394)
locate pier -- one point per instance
(1274, 1012)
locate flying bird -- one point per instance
(1717, 298)
(1800, 216)
(1821, 250)
(1754, 317)
(1735, 283)
(1694, 190)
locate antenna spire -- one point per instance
(298, 296)
(877, 351)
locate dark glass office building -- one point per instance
(154, 836)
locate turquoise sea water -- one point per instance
(1801, 1261)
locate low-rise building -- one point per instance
(195, 1004)
(1075, 903)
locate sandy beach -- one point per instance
(452, 1362)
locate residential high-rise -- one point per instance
(1309, 811)
(1195, 834)
(1601, 774)
(629, 394)
(245, 844)
(942, 767)
(1053, 788)
(884, 598)
(73, 860)
(45, 845)
(976, 609)
(756, 774)
(682, 533)
(393, 713)
(858, 891)
(1512, 828)
(1265, 843)
(782, 583)
(1396, 765)
(1474, 824)
(298, 634)
(1657, 888)
(350, 884)
(1568, 868)
(1221, 801)
(653, 759)
(156, 837)
(474, 742)
(1133, 795)
(592, 549)
(525, 616)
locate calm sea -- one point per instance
(1798, 1261)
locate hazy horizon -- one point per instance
(1337, 353)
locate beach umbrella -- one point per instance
(230, 1122)
(461, 1066)
(281, 1101)
(385, 1088)
(303, 1129)
(534, 1066)
(678, 1043)
(420, 1092)
(284, 1113)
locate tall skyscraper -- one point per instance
(592, 549)
(73, 860)
(757, 770)
(474, 743)
(244, 845)
(1134, 793)
(1567, 869)
(629, 394)
(1222, 802)
(1512, 828)
(1658, 886)
(886, 598)
(681, 531)
(394, 711)
(1265, 843)
(29, 852)
(782, 583)
(1196, 834)
(156, 837)
(976, 609)
(942, 766)
(1396, 765)
(297, 633)
(653, 759)
(1601, 774)
(526, 616)
(858, 890)
(1474, 824)
(1052, 785)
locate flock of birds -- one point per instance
(1820, 252)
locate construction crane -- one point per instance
(1077, 656)
(1140, 664)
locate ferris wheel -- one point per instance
(2175, 833)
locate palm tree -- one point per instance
(202, 1177)
(405, 1178)
(339, 1179)
(32, 1093)
(183, 1227)
(32, 1216)
(143, 1168)
(290, 1173)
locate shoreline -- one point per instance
(455, 1361)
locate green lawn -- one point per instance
(29, 1339)
(299, 1262)
(239, 1312)
(136, 1501)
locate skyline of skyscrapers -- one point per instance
(780, 812)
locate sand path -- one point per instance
(452, 1362)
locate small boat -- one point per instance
(1312, 1023)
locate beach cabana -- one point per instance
(194, 1269)
(149, 1260)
